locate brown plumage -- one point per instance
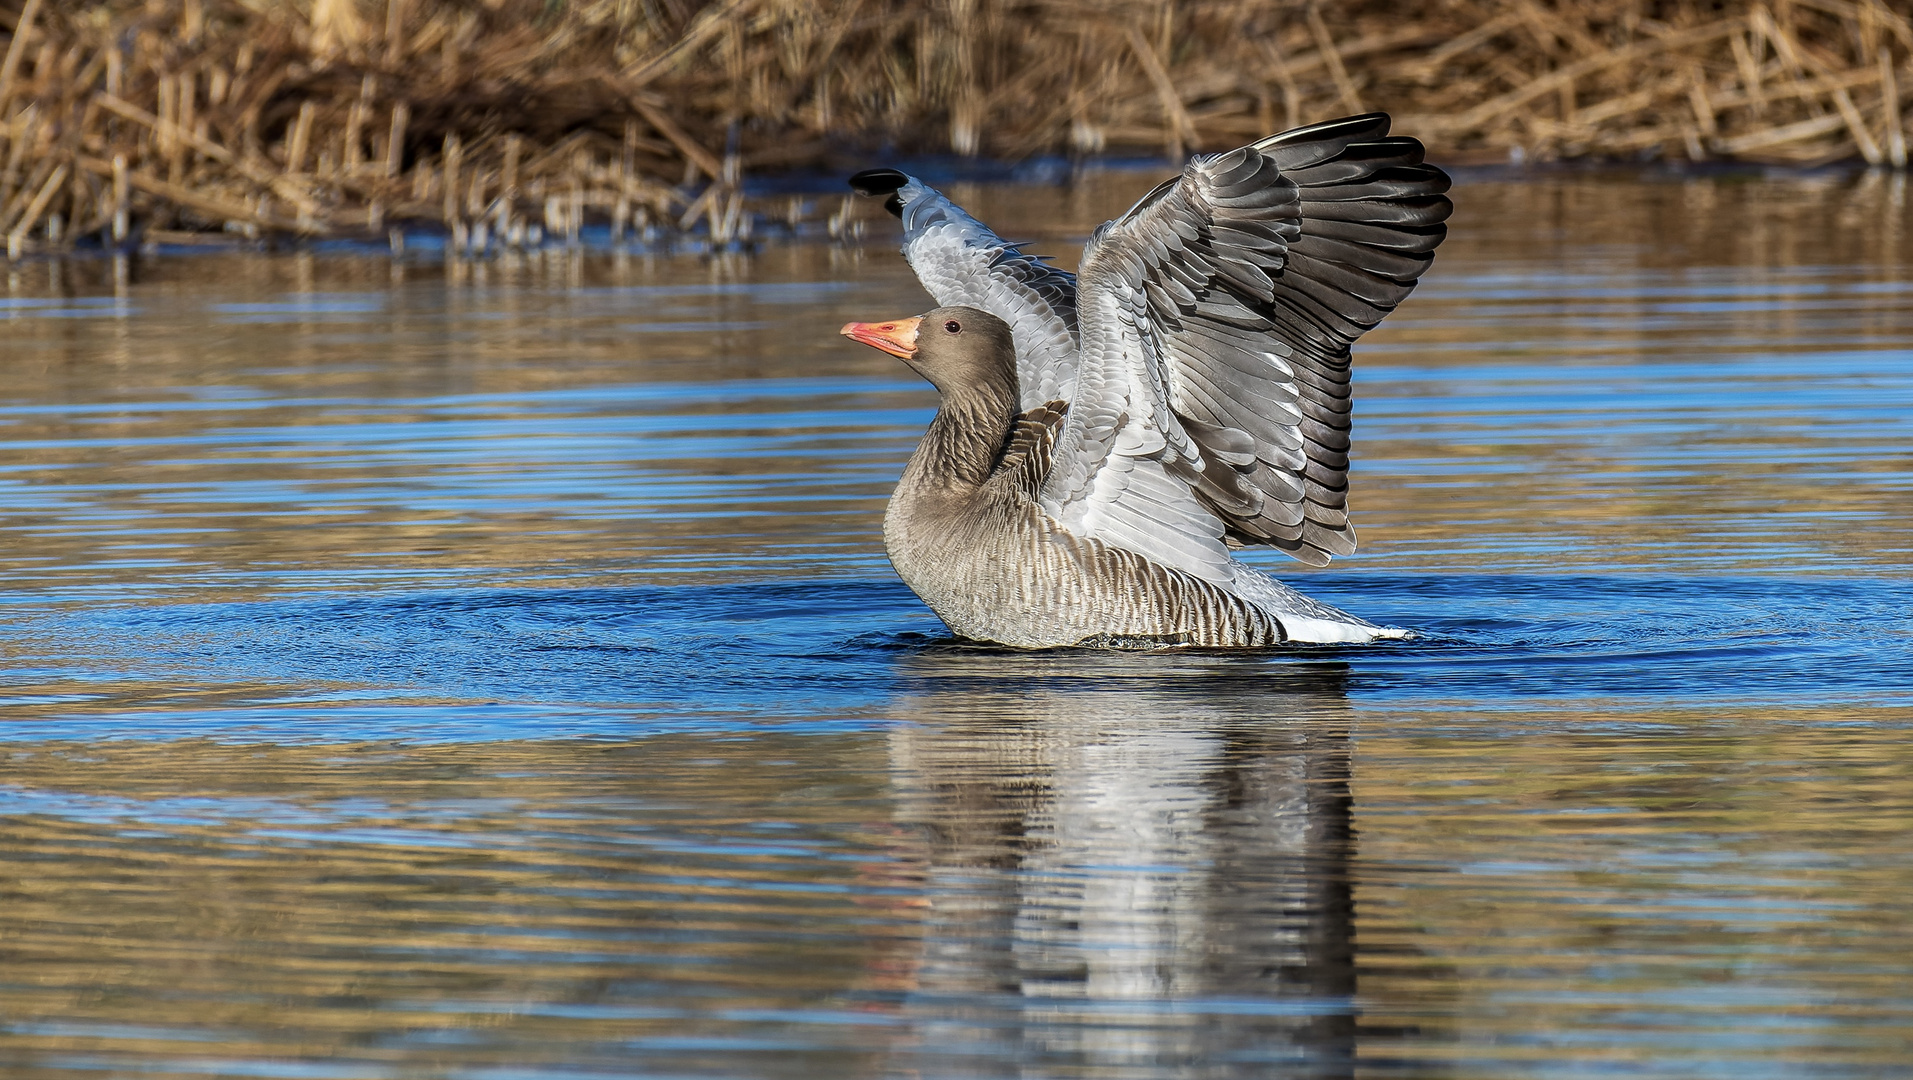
(966, 529)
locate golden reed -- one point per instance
(511, 121)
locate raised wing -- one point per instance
(961, 262)
(1217, 316)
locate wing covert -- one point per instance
(961, 262)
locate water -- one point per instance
(495, 674)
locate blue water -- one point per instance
(493, 671)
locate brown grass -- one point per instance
(517, 120)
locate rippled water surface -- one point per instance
(494, 673)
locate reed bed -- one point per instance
(518, 122)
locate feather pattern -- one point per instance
(1239, 315)
(1203, 348)
(962, 263)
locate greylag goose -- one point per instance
(1106, 438)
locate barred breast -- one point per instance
(1010, 574)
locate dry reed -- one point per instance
(516, 121)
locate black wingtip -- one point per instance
(1364, 128)
(878, 182)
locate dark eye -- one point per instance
(953, 326)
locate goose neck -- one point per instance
(966, 439)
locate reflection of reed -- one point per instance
(1130, 861)
(440, 910)
(385, 374)
(1677, 881)
(1611, 373)
(368, 451)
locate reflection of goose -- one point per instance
(1127, 869)
(1190, 390)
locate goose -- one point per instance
(1106, 440)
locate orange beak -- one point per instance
(897, 338)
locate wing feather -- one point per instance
(1206, 359)
(960, 261)
(1400, 267)
(1391, 238)
(1299, 148)
(1216, 320)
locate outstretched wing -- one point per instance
(961, 262)
(1217, 316)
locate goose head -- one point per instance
(955, 348)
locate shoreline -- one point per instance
(814, 211)
(525, 119)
